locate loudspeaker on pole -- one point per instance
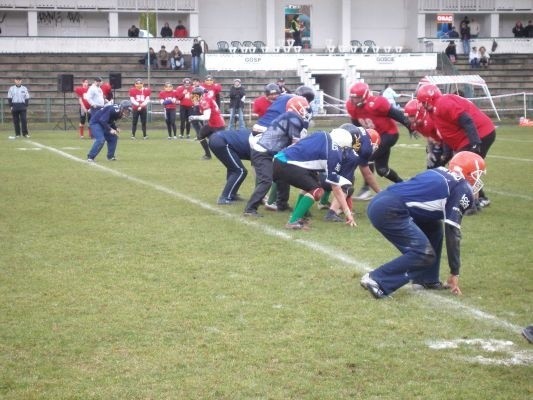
(65, 83)
(115, 80)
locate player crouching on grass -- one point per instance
(415, 215)
(297, 165)
(104, 129)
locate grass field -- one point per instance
(125, 280)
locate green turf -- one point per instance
(129, 282)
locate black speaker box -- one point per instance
(115, 80)
(65, 83)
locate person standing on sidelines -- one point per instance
(415, 215)
(461, 125)
(104, 128)
(84, 106)
(168, 99)
(95, 96)
(237, 95)
(184, 94)
(18, 98)
(231, 147)
(210, 114)
(140, 98)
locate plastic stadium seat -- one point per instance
(260, 46)
(372, 45)
(223, 46)
(237, 46)
(355, 46)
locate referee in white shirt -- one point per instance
(18, 98)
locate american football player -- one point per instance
(140, 98)
(410, 215)
(84, 105)
(168, 99)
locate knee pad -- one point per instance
(316, 193)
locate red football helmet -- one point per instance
(375, 139)
(411, 108)
(427, 95)
(299, 105)
(359, 92)
(469, 166)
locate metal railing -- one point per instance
(159, 6)
(432, 6)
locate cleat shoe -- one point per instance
(323, 206)
(175, 137)
(205, 157)
(13, 137)
(372, 286)
(145, 138)
(364, 194)
(133, 138)
(188, 136)
(90, 160)
(169, 138)
(237, 197)
(252, 213)
(181, 136)
(283, 207)
(483, 202)
(112, 159)
(527, 332)
(332, 217)
(295, 226)
(222, 201)
(27, 136)
(430, 286)
(271, 207)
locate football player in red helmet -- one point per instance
(460, 123)
(375, 112)
(415, 216)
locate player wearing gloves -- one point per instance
(297, 165)
(140, 98)
(104, 129)
(375, 112)
(461, 125)
(410, 215)
(168, 98)
(209, 113)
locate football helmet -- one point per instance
(272, 89)
(299, 105)
(197, 93)
(341, 137)
(356, 135)
(359, 92)
(125, 107)
(411, 108)
(305, 91)
(470, 166)
(428, 95)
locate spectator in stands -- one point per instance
(282, 88)
(177, 61)
(453, 34)
(465, 37)
(181, 31)
(236, 104)
(196, 52)
(162, 57)
(295, 30)
(390, 95)
(150, 58)
(473, 57)
(484, 57)
(451, 51)
(474, 28)
(529, 29)
(133, 31)
(519, 30)
(166, 30)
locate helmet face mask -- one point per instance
(359, 92)
(125, 108)
(471, 167)
(197, 94)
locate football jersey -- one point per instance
(80, 92)
(435, 194)
(215, 119)
(140, 96)
(167, 96)
(373, 115)
(236, 140)
(107, 91)
(446, 114)
(278, 107)
(315, 152)
(184, 93)
(106, 117)
(260, 105)
(426, 127)
(281, 132)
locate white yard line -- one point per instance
(361, 267)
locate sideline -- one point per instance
(333, 253)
